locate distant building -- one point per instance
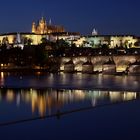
(94, 32)
(18, 42)
(96, 41)
(43, 28)
(69, 37)
(11, 38)
(35, 39)
(56, 32)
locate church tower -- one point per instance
(42, 28)
(33, 27)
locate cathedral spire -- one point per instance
(50, 21)
(42, 19)
(42, 15)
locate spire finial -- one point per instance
(42, 14)
(50, 21)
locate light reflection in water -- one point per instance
(10, 95)
(47, 100)
(2, 78)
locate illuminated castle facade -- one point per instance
(43, 28)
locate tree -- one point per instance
(30, 41)
(45, 41)
(73, 45)
(62, 43)
(27, 41)
(104, 46)
(5, 40)
(41, 56)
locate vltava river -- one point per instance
(70, 81)
(69, 106)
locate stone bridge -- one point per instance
(121, 61)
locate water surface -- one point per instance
(69, 106)
(70, 81)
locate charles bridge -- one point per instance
(120, 62)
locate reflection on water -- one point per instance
(26, 96)
(49, 101)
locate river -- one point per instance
(69, 106)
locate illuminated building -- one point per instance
(35, 39)
(69, 37)
(10, 38)
(43, 28)
(95, 41)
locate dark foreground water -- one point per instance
(65, 107)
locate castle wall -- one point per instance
(92, 41)
(36, 39)
(10, 38)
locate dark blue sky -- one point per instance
(108, 16)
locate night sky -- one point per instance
(108, 16)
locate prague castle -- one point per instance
(45, 28)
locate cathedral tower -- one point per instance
(43, 28)
(33, 27)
